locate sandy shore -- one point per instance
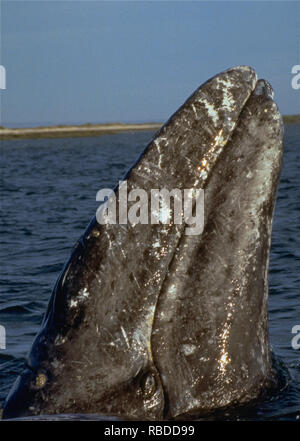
(73, 131)
(64, 131)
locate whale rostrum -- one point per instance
(147, 322)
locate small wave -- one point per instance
(17, 309)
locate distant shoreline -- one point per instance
(86, 130)
(65, 131)
(291, 119)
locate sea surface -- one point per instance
(48, 195)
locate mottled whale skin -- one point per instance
(146, 322)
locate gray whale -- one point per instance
(146, 322)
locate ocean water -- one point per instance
(48, 191)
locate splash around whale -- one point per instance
(147, 322)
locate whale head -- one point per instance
(147, 321)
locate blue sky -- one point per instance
(103, 61)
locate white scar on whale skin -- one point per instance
(188, 349)
(83, 294)
(228, 101)
(158, 146)
(212, 112)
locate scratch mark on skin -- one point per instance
(88, 361)
(111, 336)
(125, 337)
(195, 111)
(122, 251)
(188, 159)
(152, 165)
(239, 225)
(222, 261)
(135, 279)
(151, 178)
